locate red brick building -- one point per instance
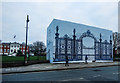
(12, 48)
(23, 47)
(5, 48)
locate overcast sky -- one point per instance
(101, 14)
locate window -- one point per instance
(4, 46)
(15, 46)
(11, 46)
(8, 46)
(18, 46)
(23, 51)
(8, 50)
(4, 50)
(1, 50)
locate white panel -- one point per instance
(79, 48)
(88, 42)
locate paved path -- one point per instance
(87, 74)
(50, 67)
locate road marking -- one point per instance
(116, 73)
(64, 80)
(81, 78)
(113, 73)
(72, 79)
(97, 76)
(67, 80)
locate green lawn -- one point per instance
(21, 58)
(33, 58)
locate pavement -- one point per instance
(55, 67)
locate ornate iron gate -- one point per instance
(73, 48)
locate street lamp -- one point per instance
(25, 58)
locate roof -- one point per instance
(5, 43)
(78, 24)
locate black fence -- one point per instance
(75, 49)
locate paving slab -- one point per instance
(53, 67)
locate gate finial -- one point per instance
(57, 34)
(74, 31)
(74, 36)
(57, 29)
(100, 37)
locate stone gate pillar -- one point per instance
(74, 45)
(66, 38)
(100, 46)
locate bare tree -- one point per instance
(38, 48)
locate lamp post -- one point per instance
(25, 58)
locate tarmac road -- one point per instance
(111, 73)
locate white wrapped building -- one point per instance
(77, 41)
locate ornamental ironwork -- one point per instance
(76, 50)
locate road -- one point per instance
(86, 74)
